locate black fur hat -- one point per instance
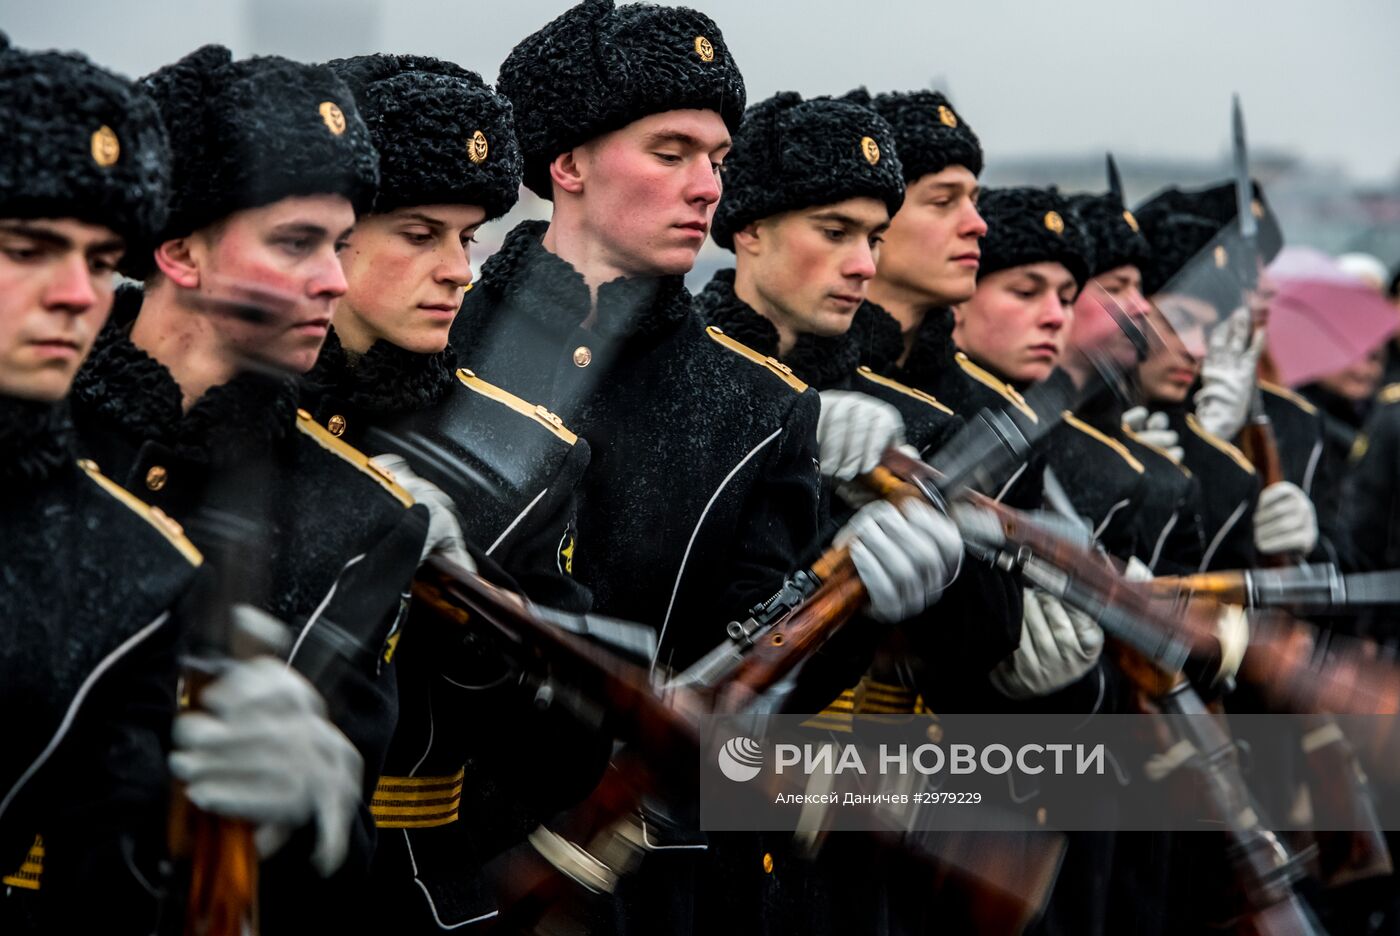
(80, 142)
(792, 154)
(1192, 254)
(597, 68)
(250, 133)
(1032, 225)
(1217, 203)
(1113, 231)
(929, 134)
(444, 137)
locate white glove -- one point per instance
(444, 526)
(1228, 375)
(1154, 430)
(905, 556)
(853, 431)
(857, 495)
(1059, 644)
(262, 750)
(1284, 520)
(1137, 571)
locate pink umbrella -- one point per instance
(1323, 319)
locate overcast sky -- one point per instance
(1076, 76)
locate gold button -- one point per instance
(1040, 816)
(583, 356)
(156, 477)
(336, 424)
(767, 863)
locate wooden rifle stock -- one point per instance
(223, 861)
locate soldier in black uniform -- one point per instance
(809, 190)
(385, 382)
(1168, 516)
(702, 494)
(190, 398)
(1230, 484)
(99, 585)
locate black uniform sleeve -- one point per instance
(1369, 509)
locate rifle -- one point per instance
(1161, 640)
(1320, 588)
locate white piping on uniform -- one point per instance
(1098, 531)
(1162, 539)
(1312, 467)
(413, 862)
(1012, 480)
(652, 846)
(432, 728)
(1220, 535)
(680, 573)
(106, 663)
(516, 522)
(320, 608)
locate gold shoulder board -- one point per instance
(1098, 436)
(354, 456)
(990, 380)
(778, 368)
(156, 517)
(529, 410)
(895, 385)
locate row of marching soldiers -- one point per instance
(222, 483)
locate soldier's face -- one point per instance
(648, 191)
(406, 271)
(1174, 361)
(1096, 329)
(931, 249)
(56, 286)
(1017, 321)
(811, 268)
(289, 252)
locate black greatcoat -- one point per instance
(90, 579)
(466, 729)
(703, 490)
(1229, 492)
(292, 520)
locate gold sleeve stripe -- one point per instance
(990, 380)
(416, 802)
(1114, 444)
(347, 452)
(1221, 444)
(529, 410)
(31, 870)
(773, 365)
(895, 385)
(1283, 392)
(156, 517)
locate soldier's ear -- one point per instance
(748, 239)
(566, 171)
(175, 259)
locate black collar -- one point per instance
(933, 350)
(386, 380)
(135, 394)
(35, 441)
(873, 339)
(554, 294)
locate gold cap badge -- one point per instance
(946, 116)
(704, 49)
(333, 117)
(1132, 222)
(871, 149)
(106, 149)
(1054, 223)
(1222, 256)
(477, 147)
